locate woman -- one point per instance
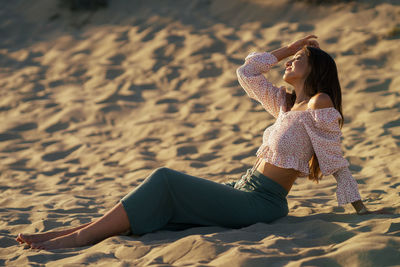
(304, 141)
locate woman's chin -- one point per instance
(289, 78)
(286, 78)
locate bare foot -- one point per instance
(42, 237)
(67, 241)
(37, 238)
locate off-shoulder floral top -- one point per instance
(296, 134)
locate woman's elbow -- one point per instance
(241, 71)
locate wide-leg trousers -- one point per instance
(172, 200)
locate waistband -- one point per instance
(267, 185)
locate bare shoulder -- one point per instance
(320, 100)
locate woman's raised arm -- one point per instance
(292, 48)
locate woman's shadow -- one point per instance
(305, 231)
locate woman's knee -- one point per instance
(161, 170)
(159, 174)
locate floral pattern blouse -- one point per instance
(294, 137)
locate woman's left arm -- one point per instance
(347, 192)
(325, 133)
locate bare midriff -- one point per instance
(284, 177)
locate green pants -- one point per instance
(173, 200)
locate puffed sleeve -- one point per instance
(324, 132)
(251, 78)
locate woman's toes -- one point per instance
(20, 238)
(25, 238)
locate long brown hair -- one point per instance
(323, 78)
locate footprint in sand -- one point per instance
(177, 40)
(24, 127)
(356, 163)
(150, 35)
(210, 135)
(59, 126)
(56, 83)
(35, 96)
(83, 51)
(207, 157)
(186, 150)
(167, 100)
(198, 165)
(209, 71)
(172, 73)
(172, 106)
(74, 174)
(116, 96)
(232, 37)
(22, 218)
(20, 165)
(5, 108)
(49, 143)
(377, 85)
(6, 136)
(53, 156)
(110, 108)
(240, 141)
(148, 140)
(111, 74)
(302, 27)
(38, 88)
(79, 72)
(332, 40)
(161, 57)
(117, 59)
(54, 171)
(123, 36)
(198, 108)
(111, 163)
(243, 155)
(391, 124)
(213, 46)
(73, 161)
(373, 62)
(105, 179)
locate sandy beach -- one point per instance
(92, 101)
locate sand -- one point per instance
(92, 101)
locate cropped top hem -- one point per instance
(283, 162)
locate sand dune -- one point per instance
(92, 101)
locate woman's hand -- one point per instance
(362, 210)
(309, 40)
(291, 49)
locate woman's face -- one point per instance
(297, 69)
